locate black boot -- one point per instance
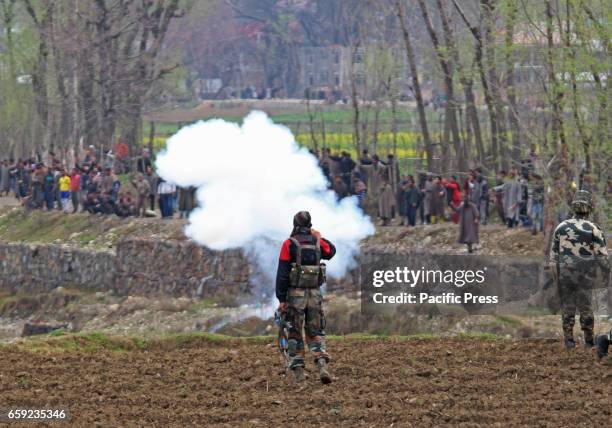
(602, 346)
(298, 374)
(323, 373)
(568, 331)
(587, 324)
(569, 343)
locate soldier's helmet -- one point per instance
(302, 219)
(583, 202)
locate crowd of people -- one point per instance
(516, 196)
(93, 187)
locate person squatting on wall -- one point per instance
(578, 248)
(298, 280)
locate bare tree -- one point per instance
(400, 12)
(467, 81)
(479, 53)
(447, 71)
(42, 22)
(104, 60)
(513, 120)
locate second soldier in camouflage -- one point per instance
(578, 249)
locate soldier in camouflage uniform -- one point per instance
(578, 248)
(299, 277)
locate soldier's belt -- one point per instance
(305, 287)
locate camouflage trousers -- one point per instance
(305, 311)
(575, 297)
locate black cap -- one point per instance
(302, 219)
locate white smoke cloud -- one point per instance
(251, 180)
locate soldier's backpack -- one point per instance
(307, 276)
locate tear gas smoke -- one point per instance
(251, 180)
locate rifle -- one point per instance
(283, 336)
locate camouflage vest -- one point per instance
(307, 276)
(580, 250)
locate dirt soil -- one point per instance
(442, 239)
(378, 382)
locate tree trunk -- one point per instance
(355, 103)
(472, 122)
(394, 124)
(513, 119)
(471, 113)
(151, 136)
(560, 168)
(39, 74)
(478, 57)
(313, 137)
(488, 7)
(447, 71)
(416, 86)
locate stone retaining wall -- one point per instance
(40, 268)
(138, 267)
(184, 269)
(179, 268)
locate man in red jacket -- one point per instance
(298, 280)
(455, 197)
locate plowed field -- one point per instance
(378, 382)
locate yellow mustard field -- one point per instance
(406, 142)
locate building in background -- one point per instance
(326, 72)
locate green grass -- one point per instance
(202, 304)
(343, 115)
(338, 125)
(508, 320)
(356, 336)
(7, 299)
(481, 336)
(333, 116)
(85, 238)
(62, 341)
(40, 226)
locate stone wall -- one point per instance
(40, 268)
(183, 269)
(179, 268)
(510, 278)
(138, 267)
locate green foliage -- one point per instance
(337, 134)
(202, 304)
(40, 226)
(62, 341)
(18, 120)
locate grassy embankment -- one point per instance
(61, 341)
(83, 229)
